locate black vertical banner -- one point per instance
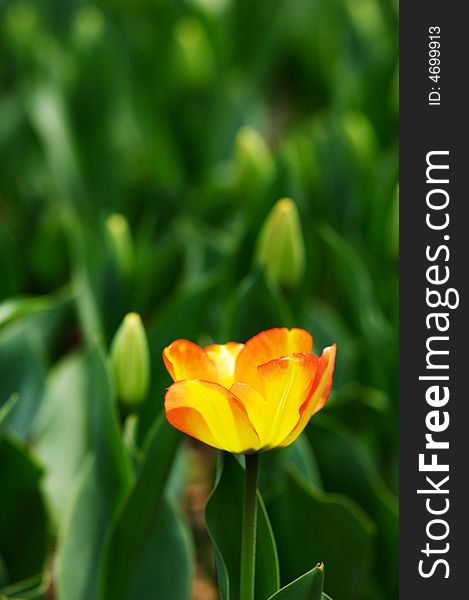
(434, 356)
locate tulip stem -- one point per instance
(248, 541)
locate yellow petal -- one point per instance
(256, 407)
(224, 357)
(269, 345)
(190, 421)
(319, 393)
(210, 413)
(286, 384)
(186, 360)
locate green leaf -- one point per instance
(347, 468)
(113, 461)
(256, 304)
(165, 567)
(329, 326)
(81, 540)
(131, 531)
(60, 431)
(224, 521)
(274, 467)
(21, 372)
(312, 526)
(31, 589)
(85, 292)
(24, 534)
(15, 308)
(302, 457)
(356, 285)
(307, 587)
(6, 409)
(20, 307)
(164, 564)
(105, 478)
(48, 114)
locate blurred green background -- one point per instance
(191, 119)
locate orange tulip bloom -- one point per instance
(251, 397)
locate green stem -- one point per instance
(248, 542)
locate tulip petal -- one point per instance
(224, 357)
(286, 384)
(186, 360)
(190, 421)
(210, 413)
(269, 345)
(256, 407)
(319, 393)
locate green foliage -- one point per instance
(136, 527)
(307, 587)
(166, 563)
(105, 477)
(60, 431)
(224, 521)
(143, 145)
(81, 539)
(310, 525)
(24, 535)
(348, 468)
(21, 354)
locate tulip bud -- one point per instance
(120, 241)
(253, 159)
(21, 21)
(194, 53)
(131, 360)
(88, 26)
(361, 139)
(281, 248)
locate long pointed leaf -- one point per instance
(307, 587)
(131, 531)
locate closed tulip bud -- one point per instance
(361, 139)
(281, 248)
(196, 61)
(120, 242)
(131, 360)
(253, 160)
(21, 20)
(89, 26)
